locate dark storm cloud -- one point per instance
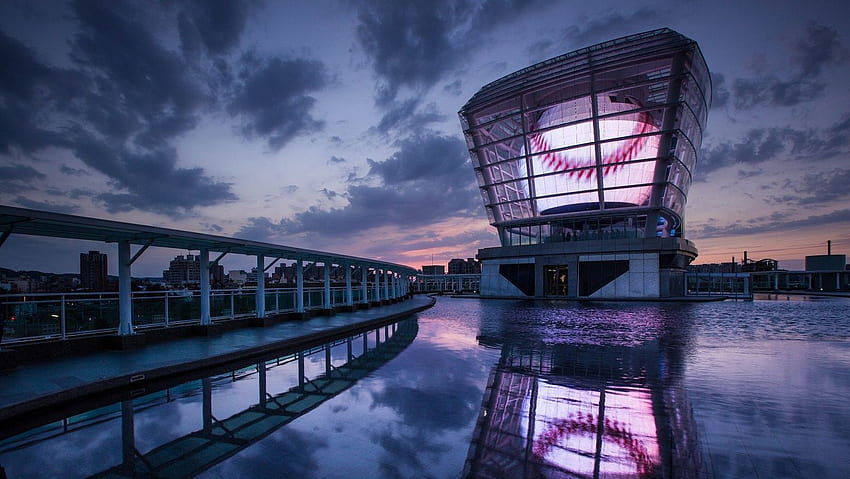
(817, 188)
(217, 25)
(403, 116)
(772, 91)
(757, 146)
(46, 205)
(428, 179)
(152, 179)
(410, 44)
(27, 88)
(797, 82)
(817, 47)
(273, 99)
(441, 159)
(18, 178)
(760, 145)
(613, 25)
(416, 44)
(779, 221)
(140, 86)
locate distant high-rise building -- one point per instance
(93, 271)
(183, 270)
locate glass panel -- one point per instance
(674, 199)
(679, 176)
(505, 108)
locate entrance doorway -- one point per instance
(556, 280)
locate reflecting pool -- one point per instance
(494, 388)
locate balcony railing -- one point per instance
(60, 315)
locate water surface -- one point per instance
(501, 388)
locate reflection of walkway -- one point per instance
(45, 386)
(218, 440)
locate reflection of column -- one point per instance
(365, 341)
(128, 437)
(600, 431)
(206, 391)
(261, 372)
(300, 369)
(350, 349)
(328, 364)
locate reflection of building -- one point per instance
(584, 163)
(93, 271)
(585, 410)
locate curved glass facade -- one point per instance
(595, 144)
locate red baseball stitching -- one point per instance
(557, 162)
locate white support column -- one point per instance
(205, 287)
(349, 296)
(261, 286)
(299, 286)
(125, 298)
(364, 284)
(327, 285)
(386, 285)
(377, 285)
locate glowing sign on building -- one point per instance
(564, 158)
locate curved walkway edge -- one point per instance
(34, 387)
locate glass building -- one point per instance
(584, 162)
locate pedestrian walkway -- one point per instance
(33, 386)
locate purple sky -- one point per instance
(333, 125)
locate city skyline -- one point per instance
(334, 125)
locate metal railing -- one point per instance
(59, 315)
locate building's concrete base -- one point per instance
(602, 269)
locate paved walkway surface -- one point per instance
(35, 385)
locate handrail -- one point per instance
(32, 316)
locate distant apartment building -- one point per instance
(183, 271)
(432, 269)
(237, 276)
(93, 271)
(468, 266)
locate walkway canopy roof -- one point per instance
(57, 225)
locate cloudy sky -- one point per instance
(333, 125)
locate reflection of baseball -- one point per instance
(613, 432)
(578, 164)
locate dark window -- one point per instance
(520, 275)
(593, 275)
